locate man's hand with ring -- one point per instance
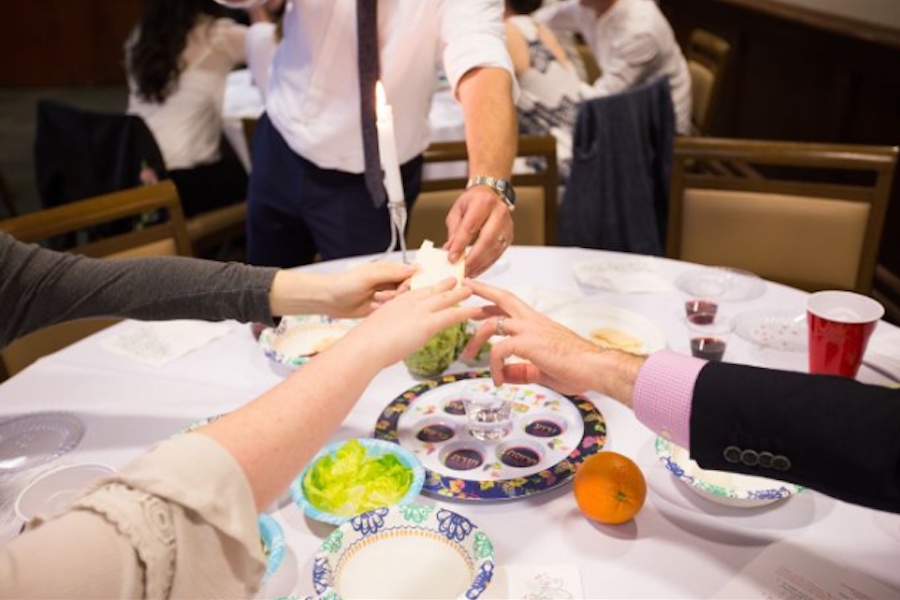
(480, 218)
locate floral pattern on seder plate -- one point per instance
(581, 432)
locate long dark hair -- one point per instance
(155, 58)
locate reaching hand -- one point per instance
(348, 294)
(556, 357)
(353, 292)
(479, 217)
(404, 324)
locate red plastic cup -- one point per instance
(840, 324)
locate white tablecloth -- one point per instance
(671, 550)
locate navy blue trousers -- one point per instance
(296, 209)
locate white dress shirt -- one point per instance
(632, 42)
(313, 92)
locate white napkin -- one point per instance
(883, 353)
(530, 582)
(625, 276)
(160, 342)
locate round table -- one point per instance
(672, 550)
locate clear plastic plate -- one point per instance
(35, 439)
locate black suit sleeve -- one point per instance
(828, 433)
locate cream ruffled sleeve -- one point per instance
(178, 522)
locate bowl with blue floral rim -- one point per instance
(271, 538)
(367, 473)
(406, 551)
(729, 489)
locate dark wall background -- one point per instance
(64, 42)
(806, 76)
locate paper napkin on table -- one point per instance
(622, 275)
(883, 352)
(531, 582)
(160, 342)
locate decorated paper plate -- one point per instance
(730, 489)
(298, 338)
(271, 536)
(34, 439)
(551, 435)
(721, 284)
(408, 551)
(611, 327)
(780, 330)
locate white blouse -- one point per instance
(188, 124)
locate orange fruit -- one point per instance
(610, 488)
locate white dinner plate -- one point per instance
(586, 318)
(721, 284)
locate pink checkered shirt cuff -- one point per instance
(663, 394)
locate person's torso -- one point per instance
(188, 124)
(313, 93)
(624, 23)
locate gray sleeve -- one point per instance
(40, 287)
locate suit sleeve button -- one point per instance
(765, 460)
(781, 463)
(732, 454)
(750, 458)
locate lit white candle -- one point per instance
(387, 146)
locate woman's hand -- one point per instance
(344, 295)
(406, 323)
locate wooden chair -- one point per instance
(167, 237)
(814, 222)
(536, 194)
(84, 154)
(707, 59)
(592, 70)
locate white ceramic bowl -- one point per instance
(404, 551)
(729, 489)
(54, 490)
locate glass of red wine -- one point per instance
(700, 305)
(709, 334)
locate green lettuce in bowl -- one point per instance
(348, 478)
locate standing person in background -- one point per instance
(177, 59)
(632, 42)
(550, 88)
(307, 190)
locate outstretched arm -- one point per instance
(480, 216)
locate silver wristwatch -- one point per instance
(503, 187)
